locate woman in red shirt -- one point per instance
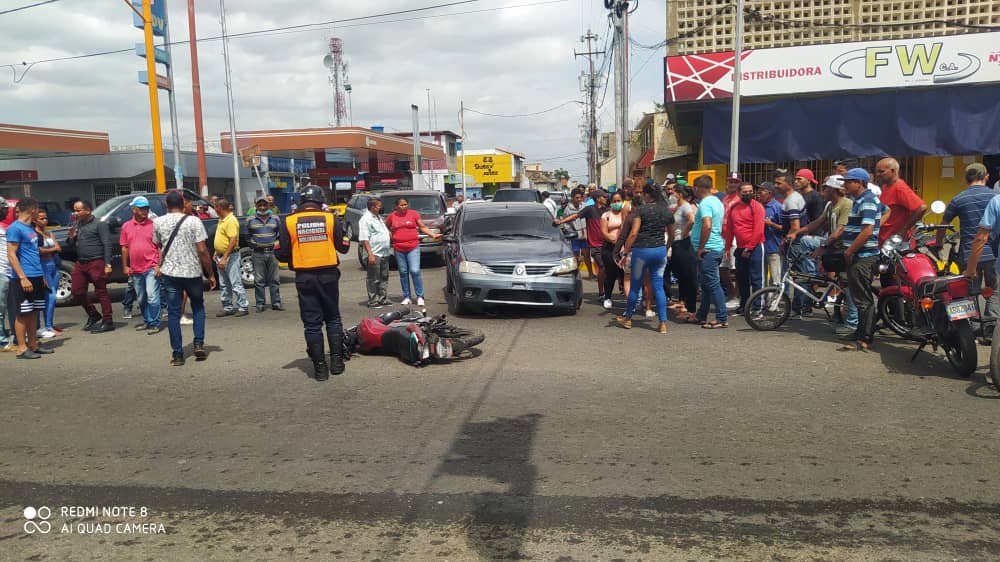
(404, 224)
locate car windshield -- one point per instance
(515, 195)
(105, 208)
(534, 225)
(423, 204)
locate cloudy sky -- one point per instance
(499, 56)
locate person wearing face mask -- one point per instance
(611, 227)
(744, 231)
(683, 262)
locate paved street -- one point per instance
(566, 439)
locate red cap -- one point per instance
(808, 174)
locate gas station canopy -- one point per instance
(345, 143)
(20, 141)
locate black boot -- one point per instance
(336, 353)
(315, 351)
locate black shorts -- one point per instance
(26, 302)
(597, 254)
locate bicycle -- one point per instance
(769, 307)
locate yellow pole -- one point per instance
(154, 102)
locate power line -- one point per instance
(563, 104)
(28, 6)
(303, 28)
(557, 157)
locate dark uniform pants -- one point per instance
(319, 304)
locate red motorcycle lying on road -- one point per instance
(414, 337)
(921, 306)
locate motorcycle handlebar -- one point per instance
(930, 227)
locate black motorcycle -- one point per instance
(414, 337)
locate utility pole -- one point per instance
(199, 131)
(418, 173)
(734, 140)
(461, 118)
(619, 18)
(174, 132)
(590, 88)
(232, 112)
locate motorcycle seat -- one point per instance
(933, 285)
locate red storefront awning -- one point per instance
(646, 160)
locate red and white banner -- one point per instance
(930, 61)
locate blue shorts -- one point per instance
(579, 245)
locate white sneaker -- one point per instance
(39, 332)
(406, 301)
(127, 314)
(420, 301)
(186, 320)
(733, 304)
(650, 313)
(607, 304)
(47, 334)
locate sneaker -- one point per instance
(153, 330)
(47, 334)
(39, 331)
(28, 354)
(141, 327)
(420, 301)
(650, 314)
(222, 314)
(260, 309)
(624, 322)
(103, 328)
(607, 304)
(91, 322)
(127, 314)
(199, 352)
(177, 361)
(278, 307)
(43, 350)
(375, 304)
(186, 320)
(164, 313)
(406, 301)
(733, 304)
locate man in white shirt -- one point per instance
(375, 237)
(549, 203)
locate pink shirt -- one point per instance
(138, 238)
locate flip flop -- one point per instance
(692, 319)
(715, 325)
(854, 347)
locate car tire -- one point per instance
(246, 267)
(455, 305)
(64, 295)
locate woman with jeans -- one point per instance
(48, 250)
(611, 227)
(682, 259)
(405, 225)
(648, 251)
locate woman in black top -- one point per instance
(650, 234)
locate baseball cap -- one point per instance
(734, 176)
(857, 174)
(835, 181)
(139, 201)
(767, 186)
(682, 181)
(808, 174)
(260, 199)
(976, 167)
(671, 176)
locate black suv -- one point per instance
(432, 206)
(517, 195)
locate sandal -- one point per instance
(715, 325)
(693, 319)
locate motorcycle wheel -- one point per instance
(775, 306)
(961, 350)
(897, 314)
(994, 372)
(462, 338)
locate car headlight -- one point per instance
(566, 265)
(471, 267)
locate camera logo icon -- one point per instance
(36, 520)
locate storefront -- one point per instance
(930, 103)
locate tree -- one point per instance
(560, 174)
(659, 107)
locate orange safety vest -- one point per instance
(311, 234)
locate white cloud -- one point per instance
(514, 60)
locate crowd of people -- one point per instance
(679, 247)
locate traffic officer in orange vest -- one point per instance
(309, 240)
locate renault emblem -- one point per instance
(519, 270)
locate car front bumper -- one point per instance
(562, 291)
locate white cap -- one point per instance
(835, 181)
(875, 189)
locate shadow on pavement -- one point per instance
(498, 450)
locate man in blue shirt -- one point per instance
(860, 235)
(706, 240)
(27, 285)
(772, 229)
(263, 229)
(969, 206)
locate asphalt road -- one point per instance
(566, 439)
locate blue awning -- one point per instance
(940, 121)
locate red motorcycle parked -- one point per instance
(924, 307)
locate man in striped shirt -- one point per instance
(263, 229)
(860, 235)
(969, 206)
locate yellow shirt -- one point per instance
(228, 229)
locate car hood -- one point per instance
(516, 251)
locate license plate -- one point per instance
(960, 310)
